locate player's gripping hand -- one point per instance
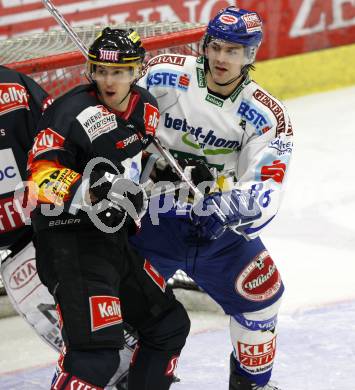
(116, 196)
(196, 170)
(237, 209)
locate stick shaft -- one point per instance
(62, 22)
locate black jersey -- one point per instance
(76, 129)
(22, 102)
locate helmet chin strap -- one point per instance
(228, 82)
(129, 91)
(134, 82)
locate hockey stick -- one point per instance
(165, 153)
(62, 22)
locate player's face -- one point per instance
(225, 60)
(113, 83)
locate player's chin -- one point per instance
(220, 75)
(220, 79)
(111, 98)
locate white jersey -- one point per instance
(249, 132)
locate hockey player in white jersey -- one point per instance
(211, 111)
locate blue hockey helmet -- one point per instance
(236, 25)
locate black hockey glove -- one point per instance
(146, 140)
(196, 170)
(122, 195)
(111, 216)
(100, 186)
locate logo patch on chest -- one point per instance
(123, 143)
(256, 117)
(97, 120)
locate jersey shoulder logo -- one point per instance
(46, 140)
(13, 96)
(274, 107)
(151, 118)
(169, 79)
(276, 171)
(172, 59)
(47, 102)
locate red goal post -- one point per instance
(54, 62)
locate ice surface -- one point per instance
(316, 351)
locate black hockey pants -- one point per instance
(98, 282)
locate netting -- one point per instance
(54, 62)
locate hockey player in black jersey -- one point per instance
(85, 164)
(22, 102)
